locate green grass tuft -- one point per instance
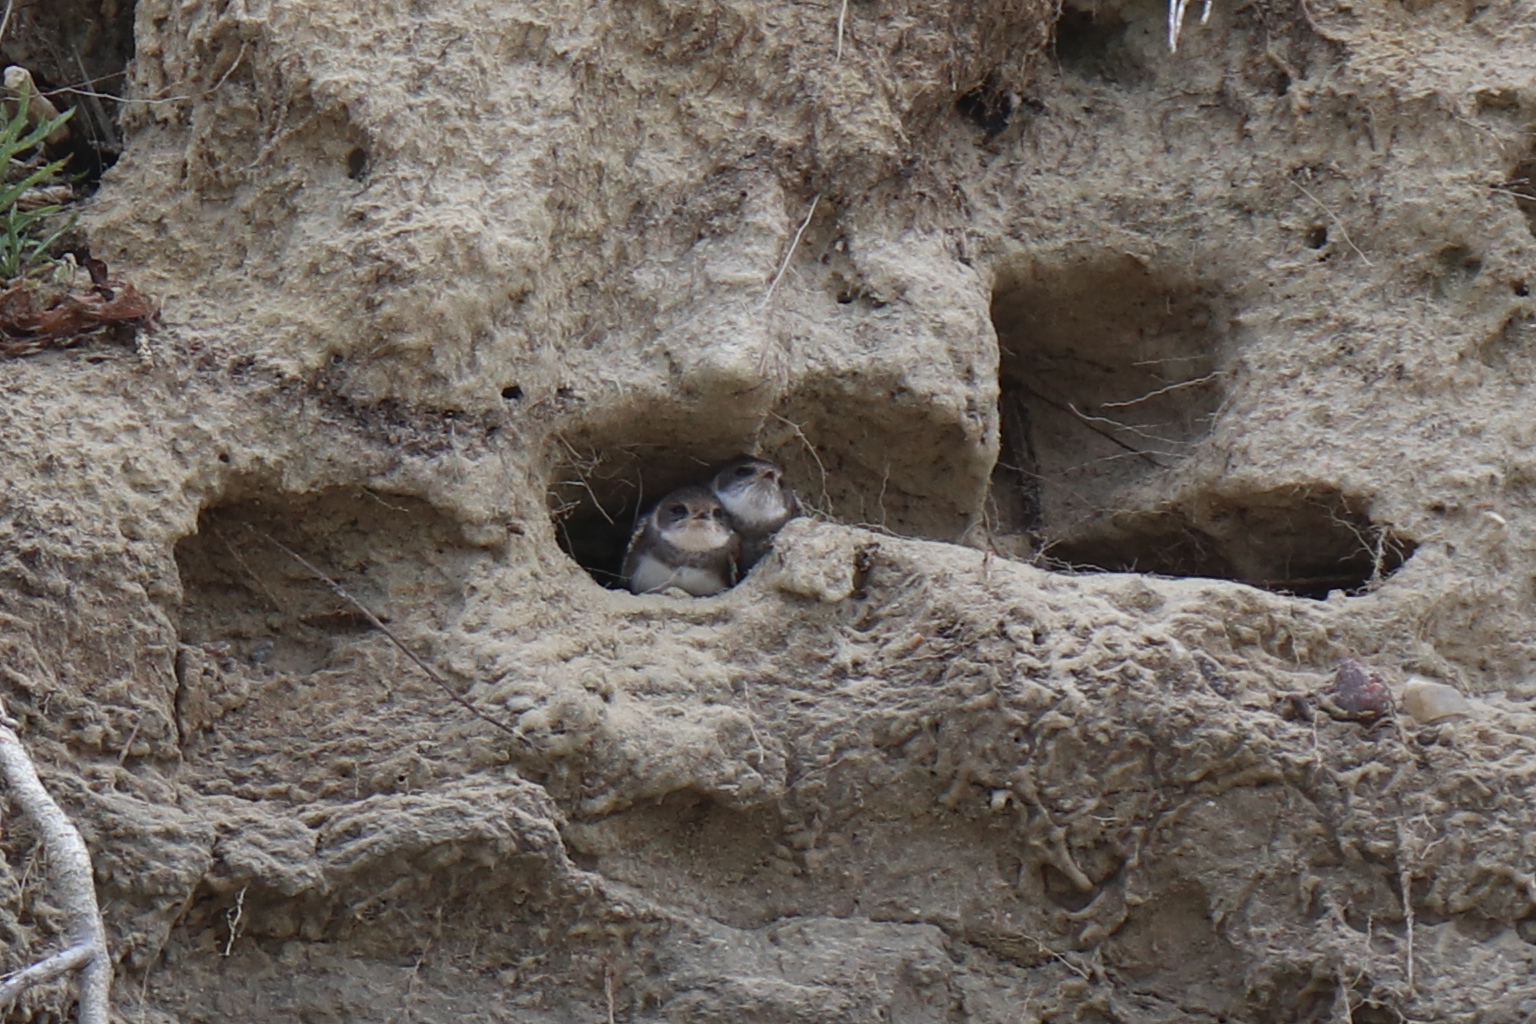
(24, 233)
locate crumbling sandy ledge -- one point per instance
(421, 268)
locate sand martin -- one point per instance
(757, 501)
(685, 541)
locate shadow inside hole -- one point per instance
(1091, 43)
(597, 495)
(78, 53)
(1307, 542)
(399, 556)
(1109, 376)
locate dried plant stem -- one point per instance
(1088, 421)
(826, 500)
(842, 20)
(795, 244)
(1208, 378)
(1405, 887)
(1343, 231)
(70, 865)
(378, 624)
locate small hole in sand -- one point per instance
(989, 107)
(357, 163)
(1317, 236)
(512, 393)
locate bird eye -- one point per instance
(678, 510)
(742, 472)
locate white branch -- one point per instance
(43, 971)
(69, 863)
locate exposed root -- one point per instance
(69, 864)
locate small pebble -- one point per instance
(1428, 701)
(1358, 690)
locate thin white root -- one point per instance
(1176, 9)
(70, 865)
(790, 254)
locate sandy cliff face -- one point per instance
(451, 287)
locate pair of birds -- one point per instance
(704, 538)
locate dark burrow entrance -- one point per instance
(1306, 541)
(1110, 377)
(77, 52)
(402, 558)
(597, 494)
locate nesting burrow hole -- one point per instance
(858, 451)
(1093, 42)
(598, 492)
(1111, 377)
(77, 52)
(405, 560)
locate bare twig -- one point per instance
(403, 1015)
(842, 19)
(1076, 969)
(826, 500)
(159, 99)
(1163, 391)
(880, 500)
(1504, 191)
(581, 477)
(1405, 885)
(746, 694)
(378, 624)
(102, 124)
(1088, 422)
(133, 734)
(70, 865)
(233, 916)
(6, 19)
(768, 296)
(1114, 424)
